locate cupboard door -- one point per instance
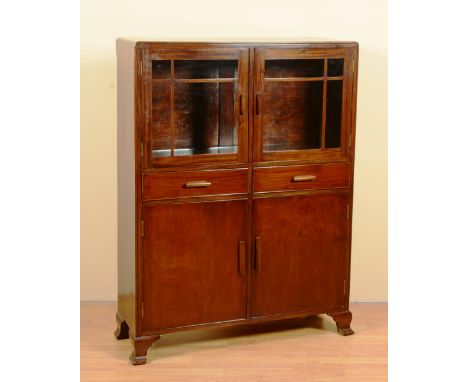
(301, 252)
(194, 264)
(195, 105)
(300, 103)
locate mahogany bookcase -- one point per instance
(235, 184)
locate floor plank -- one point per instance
(292, 350)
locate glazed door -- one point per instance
(194, 264)
(301, 252)
(194, 106)
(300, 111)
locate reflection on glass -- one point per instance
(161, 69)
(294, 68)
(204, 118)
(292, 118)
(333, 120)
(196, 69)
(335, 67)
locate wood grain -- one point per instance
(280, 178)
(191, 264)
(200, 112)
(292, 115)
(173, 185)
(190, 232)
(303, 254)
(291, 350)
(287, 124)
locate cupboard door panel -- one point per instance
(301, 265)
(191, 264)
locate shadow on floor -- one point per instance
(176, 343)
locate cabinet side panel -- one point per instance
(126, 181)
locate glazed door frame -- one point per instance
(192, 53)
(321, 154)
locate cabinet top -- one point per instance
(225, 40)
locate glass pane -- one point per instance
(204, 118)
(293, 68)
(161, 120)
(335, 67)
(333, 121)
(205, 69)
(161, 69)
(292, 118)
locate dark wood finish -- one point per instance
(258, 254)
(184, 184)
(235, 178)
(196, 199)
(191, 264)
(343, 322)
(303, 242)
(303, 177)
(201, 102)
(242, 258)
(140, 348)
(297, 105)
(121, 333)
(290, 105)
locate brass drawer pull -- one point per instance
(303, 178)
(197, 184)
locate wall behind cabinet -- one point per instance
(103, 21)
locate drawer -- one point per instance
(194, 183)
(302, 177)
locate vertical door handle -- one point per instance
(240, 105)
(257, 111)
(241, 258)
(258, 253)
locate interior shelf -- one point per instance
(196, 151)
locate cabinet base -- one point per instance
(140, 348)
(143, 343)
(343, 322)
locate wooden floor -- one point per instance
(293, 350)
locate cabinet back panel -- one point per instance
(161, 119)
(204, 116)
(294, 68)
(292, 117)
(205, 69)
(333, 116)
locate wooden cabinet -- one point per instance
(299, 264)
(235, 183)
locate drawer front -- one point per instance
(303, 177)
(194, 183)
